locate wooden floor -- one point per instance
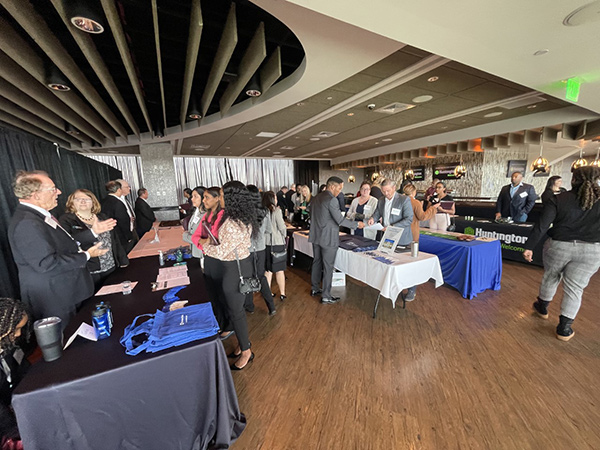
(446, 373)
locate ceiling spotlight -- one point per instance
(493, 114)
(70, 129)
(85, 16)
(55, 80)
(541, 52)
(532, 106)
(386, 140)
(193, 110)
(350, 114)
(159, 131)
(433, 79)
(253, 87)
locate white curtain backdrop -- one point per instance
(266, 174)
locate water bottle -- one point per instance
(102, 320)
(414, 249)
(161, 258)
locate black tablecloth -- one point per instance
(511, 236)
(97, 397)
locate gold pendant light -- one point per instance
(580, 162)
(596, 162)
(540, 165)
(460, 170)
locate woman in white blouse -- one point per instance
(362, 208)
(221, 268)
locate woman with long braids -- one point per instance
(13, 324)
(573, 251)
(240, 223)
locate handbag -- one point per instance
(278, 257)
(248, 285)
(169, 329)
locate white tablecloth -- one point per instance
(390, 280)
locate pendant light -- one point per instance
(351, 177)
(579, 162)
(460, 170)
(596, 162)
(540, 165)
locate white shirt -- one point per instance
(129, 210)
(387, 211)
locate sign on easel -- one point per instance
(390, 240)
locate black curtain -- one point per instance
(68, 170)
(306, 172)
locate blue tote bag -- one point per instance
(169, 329)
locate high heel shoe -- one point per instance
(282, 297)
(233, 354)
(234, 367)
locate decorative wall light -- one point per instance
(540, 165)
(460, 170)
(580, 162)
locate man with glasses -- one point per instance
(52, 267)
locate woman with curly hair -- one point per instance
(240, 224)
(13, 324)
(573, 251)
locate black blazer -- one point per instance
(79, 230)
(52, 271)
(520, 203)
(115, 209)
(144, 216)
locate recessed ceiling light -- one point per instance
(246, 132)
(112, 151)
(300, 104)
(315, 139)
(287, 147)
(227, 148)
(199, 146)
(276, 153)
(433, 79)
(376, 143)
(329, 98)
(532, 106)
(493, 114)
(541, 52)
(325, 134)
(444, 128)
(267, 134)
(463, 121)
(297, 137)
(386, 140)
(350, 114)
(422, 98)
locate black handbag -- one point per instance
(248, 285)
(278, 257)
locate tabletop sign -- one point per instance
(390, 240)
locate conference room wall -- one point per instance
(68, 170)
(325, 171)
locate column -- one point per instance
(159, 179)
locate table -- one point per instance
(470, 267)
(389, 280)
(97, 397)
(512, 236)
(170, 237)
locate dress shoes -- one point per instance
(233, 354)
(234, 367)
(330, 301)
(317, 292)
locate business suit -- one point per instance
(521, 203)
(401, 215)
(115, 209)
(52, 270)
(325, 221)
(144, 216)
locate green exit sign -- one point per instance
(573, 85)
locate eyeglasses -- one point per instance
(52, 189)
(83, 200)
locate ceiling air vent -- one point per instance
(325, 134)
(394, 108)
(523, 102)
(199, 147)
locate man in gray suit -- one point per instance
(395, 210)
(325, 220)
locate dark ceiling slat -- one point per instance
(18, 77)
(24, 13)
(271, 71)
(195, 33)
(251, 61)
(88, 48)
(26, 116)
(159, 62)
(116, 27)
(229, 40)
(16, 122)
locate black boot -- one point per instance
(564, 332)
(541, 308)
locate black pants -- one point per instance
(322, 268)
(100, 278)
(265, 289)
(223, 285)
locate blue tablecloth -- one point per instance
(470, 267)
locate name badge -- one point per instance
(395, 212)
(51, 222)
(523, 194)
(367, 208)
(195, 219)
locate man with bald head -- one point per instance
(516, 200)
(52, 267)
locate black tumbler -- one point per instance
(49, 337)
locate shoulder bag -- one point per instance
(248, 285)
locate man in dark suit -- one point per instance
(289, 202)
(324, 235)
(143, 212)
(52, 268)
(281, 201)
(114, 206)
(394, 210)
(516, 200)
